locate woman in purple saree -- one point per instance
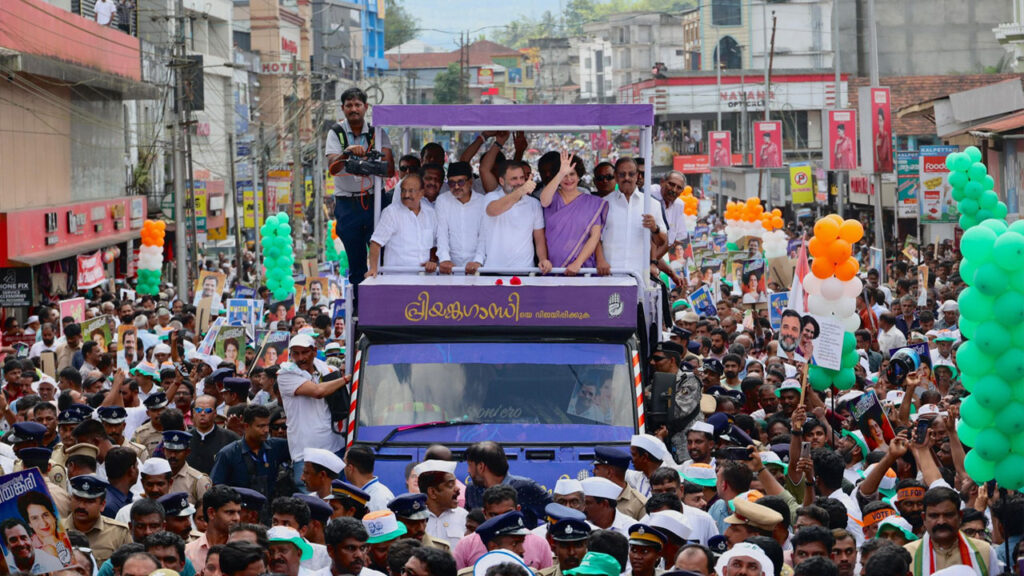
(573, 219)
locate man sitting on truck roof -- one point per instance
(408, 229)
(488, 466)
(513, 230)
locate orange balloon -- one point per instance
(816, 247)
(823, 267)
(839, 251)
(847, 270)
(688, 190)
(852, 231)
(837, 218)
(777, 222)
(826, 229)
(777, 212)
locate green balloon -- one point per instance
(958, 193)
(968, 206)
(951, 160)
(1017, 227)
(1010, 366)
(974, 414)
(968, 434)
(1017, 335)
(988, 183)
(1009, 420)
(975, 305)
(957, 180)
(973, 153)
(968, 328)
(977, 244)
(995, 225)
(1009, 472)
(1016, 442)
(972, 189)
(990, 278)
(961, 163)
(1008, 251)
(1000, 211)
(977, 171)
(979, 469)
(1011, 309)
(850, 359)
(844, 379)
(992, 337)
(992, 444)
(983, 214)
(967, 222)
(820, 378)
(969, 380)
(968, 268)
(970, 357)
(988, 200)
(993, 392)
(849, 342)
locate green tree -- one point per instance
(399, 25)
(448, 86)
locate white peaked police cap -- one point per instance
(324, 458)
(601, 488)
(434, 466)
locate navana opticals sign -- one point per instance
(603, 306)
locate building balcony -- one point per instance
(43, 39)
(1009, 32)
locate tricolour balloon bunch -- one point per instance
(331, 243)
(992, 360)
(690, 205)
(973, 191)
(278, 256)
(832, 288)
(151, 256)
(744, 219)
(774, 240)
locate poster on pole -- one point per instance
(720, 148)
(801, 184)
(876, 155)
(907, 166)
(768, 139)
(841, 130)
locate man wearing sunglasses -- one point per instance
(604, 179)
(253, 461)
(459, 219)
(207, 438)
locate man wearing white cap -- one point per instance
(154, 483)
(700, 444)
(446, 520)
(302, 392)
(319, 469)
(569, 493)
(950, 311)
(744, 560)
(600, 499)
(649, 454)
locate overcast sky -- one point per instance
(459, 15)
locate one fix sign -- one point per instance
(272, 68)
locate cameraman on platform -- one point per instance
(685, 407)
(352, 139)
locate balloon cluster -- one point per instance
(278, 256)
(973, 188)
(111, 254)
(832, 288)
(775, 244)
(690, 204)
(331, 243)
(992, 360)
(749, 219)
(151, 256)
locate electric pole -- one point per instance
(298, 182)
(180, 246)
(876, 178)
(233, 187)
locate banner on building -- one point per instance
(876, 152)
(768, 142)
(801, 184)
(841, 132)
(90, 271)
(15, 287)
(720, 148)
(907, 165)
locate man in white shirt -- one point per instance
(623, 242)
(446, 520)
(105, 10)
(675, 210)
(408, 229)
(359, 462)
(514, 226)
(460, 216)
(889, 336)
(47, 343)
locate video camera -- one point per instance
(371, 165)
(658, 407)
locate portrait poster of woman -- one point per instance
(274, 349)
(872, 421)
(98, 330)
(230, 346)
(26, 509)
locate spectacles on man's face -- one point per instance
(405, 168)
(278, 427)
(974, 532)
(457, 183)
(204, 410)
(604, 178)
(658, 358)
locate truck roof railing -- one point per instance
(533, 271)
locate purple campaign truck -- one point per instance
(547, 366)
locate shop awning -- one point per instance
(58, 253)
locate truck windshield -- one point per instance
(496, 383)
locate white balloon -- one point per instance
(832, 288)
(818, 305)
(844, 307)
(850, 323)
(853, 287)
(812, 284)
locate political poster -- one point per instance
(776, 304)
(34, 539)
(700, 236)
(209, 285)
(826, 344)
(871, 421)
(720, 148)
(90, 271)
(98, 330)
(876, 151)
(244, 292)
(338, 319)
(752, 281)
(210, 340)
(907, 167)
(768, 140)
(243, 311)
(702, 302)
(230, 345)
(801, 184)
(936, 195)
(274, 350)
(842, 140)
(75, 308)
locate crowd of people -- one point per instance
(160, 458)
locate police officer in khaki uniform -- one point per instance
(150, 434)
(611, 464)
(113, 419)
(88, 497)
(67, 421)
(178, 513)
(184, 478)
(411, 510)
(568, 540)
(82, 459)
(30, 435)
